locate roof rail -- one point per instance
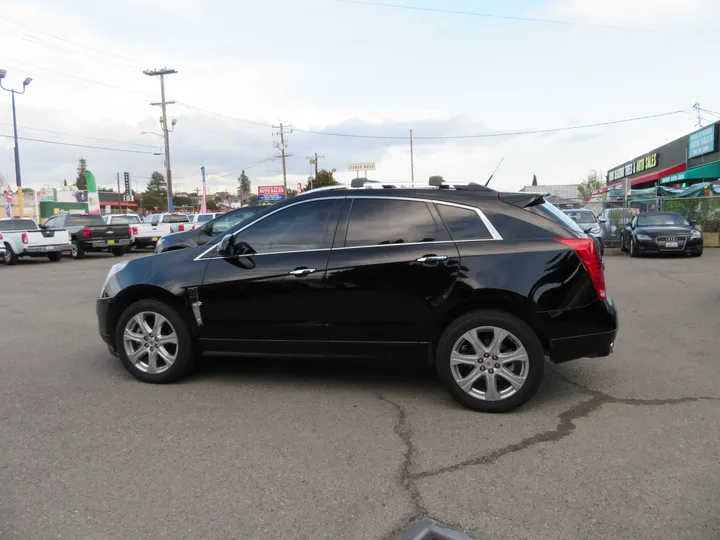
(436, 182)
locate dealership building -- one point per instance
(683, 162)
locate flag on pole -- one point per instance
(203, 205)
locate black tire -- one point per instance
(118, 252)
(10, 256)
(505, 321)
(55, 257)
(633, 251)
(77, 250)
(185, 357)
(129, 248)
(623, 247)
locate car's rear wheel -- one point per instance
(77, 251)
(10, 257)
(153, 342)
(490, 361)
(55, 257)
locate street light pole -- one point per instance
(18, 175)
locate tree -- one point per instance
(81, 181)
(534, 180)
(291, 193)
(157, 184)
(593, 182)
(244, 185)
(324, 178)
(105, 190)
(253, 199)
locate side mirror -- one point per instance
(229, 248)
(693, 222)
(602, 220)
(207, 229)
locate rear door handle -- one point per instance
(431, 259)
(302, 271)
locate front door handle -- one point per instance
(302, 271)
(431, 259)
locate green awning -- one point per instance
(709, 171)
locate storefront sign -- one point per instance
(644, 163)
(701, 142)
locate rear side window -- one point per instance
(550, 211)
(93, 219)
(175, 218)
(17, 225)
(463, 223)
(124, 220)
(385, 221)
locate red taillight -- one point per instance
(590, 257)
(1, 237)
(193, 228)
(86, 233)
(24, 238)
(134, 230)
(181, 228)
(69, 235)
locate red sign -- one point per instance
(271, 190)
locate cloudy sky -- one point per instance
(441, 67)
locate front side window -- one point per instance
(377, 222)
(463, 223)
(225, 221)
(301, 227)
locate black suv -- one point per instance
(481, 284)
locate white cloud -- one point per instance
(640, 13)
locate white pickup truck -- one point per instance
(24, 238)
(155, 226)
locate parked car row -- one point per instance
(641, 233)
(79, 234)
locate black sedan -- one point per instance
(199, 236)
(661, 232)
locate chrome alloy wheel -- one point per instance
(489, 363)
(150, 342)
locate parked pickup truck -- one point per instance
(124, 219)
(24, 238)
(88, 232)
(155, 226)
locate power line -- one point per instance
(711, 112)
(97, 51)
(85, 146)
(225, 115)
(509, 17)
(488, 135)
(80, 136)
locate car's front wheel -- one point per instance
(153, 342)
(490, 361)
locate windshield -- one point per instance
(205, 217)
(655, 220)
(17, 225)
(551, 211)
(581, 216)
(176, 218)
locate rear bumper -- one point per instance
(39, 250)
(103, 244)
(587, 332)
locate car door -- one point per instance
(392, 266)
(272, 298)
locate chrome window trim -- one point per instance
(495, 235)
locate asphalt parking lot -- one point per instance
(623, 447)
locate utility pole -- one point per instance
(282, 147)
(697, 108)
(314, 161)
(163, 123)
(412, 164)
(119, 200)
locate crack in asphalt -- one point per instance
(402, 430)
(564, 428)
